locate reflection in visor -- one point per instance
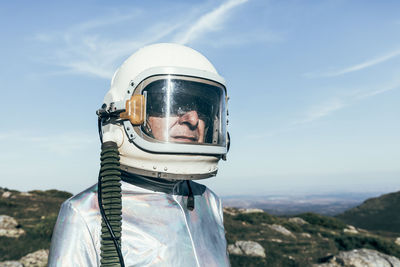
(185, 111)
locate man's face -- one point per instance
(183, 128)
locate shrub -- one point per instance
(44, 229)
(292, 227)
(246, 261)
(350, 242)
(255, 218)
(52, 193)
(324, 221)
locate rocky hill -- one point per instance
(380, 213)
(27, 220)
(255, 238)
(305, 240)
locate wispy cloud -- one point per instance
(321, 110)
(377, 91)
(85, 49)
(328, 108)
(210, 21)
(356, 67)
(245, 38)
(337, 103)
(88, 48)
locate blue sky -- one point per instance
(314, 88)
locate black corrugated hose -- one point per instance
(110, 204)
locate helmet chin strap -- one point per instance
(190, 199)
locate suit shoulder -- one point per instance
(83, 199)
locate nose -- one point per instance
(191, 118)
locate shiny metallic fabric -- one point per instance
(157, 229)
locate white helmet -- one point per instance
(166, 110)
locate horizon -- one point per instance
(314, 89)
(272, 196)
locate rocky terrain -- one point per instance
(255, 238)
(26, 225)
(304, 240)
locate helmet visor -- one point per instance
(185, 110)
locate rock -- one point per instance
(248, 248)
(281, 229)
(7, 222)
(36, 259)
(251, 210)
(235, 250)
(361, 258)
(11, 264)
(397, 241)
(350, 229)
(307, 235)
(297, 220)
(9, 227)
(230, 211)
(6, 194)
(25, 194)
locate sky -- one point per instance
(314, 88)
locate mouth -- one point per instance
(185, 138)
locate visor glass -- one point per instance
(185, 110)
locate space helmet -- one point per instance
(167, 112)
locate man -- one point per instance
(162, 125)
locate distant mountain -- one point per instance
(380, 214)
(326, 204)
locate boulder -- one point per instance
(235, 249)
(6, 194)
(36, 259)
(397, 241)
(297, 220)
(360, 258)
(281, 229)
(247, 248)
(9, 227)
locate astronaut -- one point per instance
(162, 125)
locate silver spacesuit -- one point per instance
(165, 118)
(157, 229)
